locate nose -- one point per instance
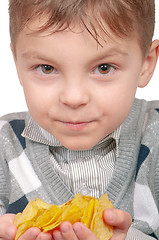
(74, 95)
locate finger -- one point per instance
(44, 236)
(8, 218)
(117, 218)
(83, 233)
(57, 235)
(120, 220)
(7, 229)
(30, 234)
(66, 232)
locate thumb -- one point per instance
(119, 219)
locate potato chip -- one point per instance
(88, 213)
(72, 214)
(41, 204)
(53, 225)
(102, 230)
(22, 228)
(29, 213)
(80, 201)
(17, 219)
(47, 217)
(74, 211)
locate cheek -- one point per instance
(117, 100)
(36, 99)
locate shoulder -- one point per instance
(148, 155)
(151, 117)
(11, 116)
(146, 120)
(11, 128)
(12, 119)
(149, 138)
(146, 112)
(146, 106)
(153, 106)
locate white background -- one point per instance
(11, 93)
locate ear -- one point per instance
(149, 64)
(15, 60)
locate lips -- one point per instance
(76, 123)
(77, 126)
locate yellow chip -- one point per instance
(17, 219)
(29, 213)
(53, 225)
(87, 198)
(22, 228)
(102, 230)
(41, 204)
(48, 217)
(80, 201)
(74, 211)
(65, 205)
(88, 213)
(72, 214)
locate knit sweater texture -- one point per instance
(26, 172)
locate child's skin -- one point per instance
(74, 98)
(79, 92)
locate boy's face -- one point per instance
(75, 89)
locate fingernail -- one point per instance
(65, 228)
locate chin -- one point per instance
(78, 146)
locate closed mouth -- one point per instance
(78, 125)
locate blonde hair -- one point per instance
(121, 16)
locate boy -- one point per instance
(79, 63)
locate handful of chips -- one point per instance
(47, 217)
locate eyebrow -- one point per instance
(100, 55)
(112, 51)
(34, 54)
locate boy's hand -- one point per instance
(119, 219)
(35, 234)
(8, 230)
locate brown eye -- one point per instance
(47, 69)
(104, 68)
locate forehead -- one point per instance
(74, 37)
(101, 33)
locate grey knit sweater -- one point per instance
(134, 186)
